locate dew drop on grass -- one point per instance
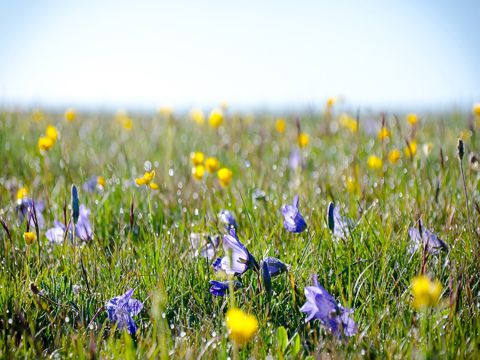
(10, 321)
(183, 334)
(171, 172)
(147, 166)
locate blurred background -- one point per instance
(252, 54)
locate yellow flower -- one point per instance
(45, 143)
(70, 115)
(127, 123)
(426, 293)
(37, 116)
(212, 164)
(303, 140)
(465, 135)
(198, 171)
(330, 102)
(197, 116)
(197, 157)
(352, 185)
(241, 326)
(374, 162)
(166, 111)
(147, 179)
(476, 109)
(394, 156)
(51, 132)
(348, 122)
(411, 150)
(215, 119)
(280, 125)
(29, 237)
(383, 133)
(101, 181)
(22, 193)
(412, 119)
(225, 176)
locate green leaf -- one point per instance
(282, 339)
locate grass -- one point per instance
(370, 272)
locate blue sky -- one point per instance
(249, 53)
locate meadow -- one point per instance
(151, 191)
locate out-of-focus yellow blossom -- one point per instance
(198, 172)
(197, 116)
(165, 111)
(70, 115)
(22, 193)
(352, 184)
(410, 150)
(212, 164)
(330, 102)
(374, 162)
(383, 133)
(412, 119)
(348, 122)
(197, 157)
(427, 148)
(30, 237)
(225, 176)
(280, 125)
(51, 132)
(147, 179)
(394, 156)
(101, 181)
(124, 120)
(241, 326)
(426, 293)
(38, 116)
(303, 140)
(465, 135)
(215, 119)
(45, 143)
(476, 109)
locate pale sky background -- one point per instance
(145, 54)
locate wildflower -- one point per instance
(374, 162)
(394, 156)
(295, 159)
(293, 220)
(303, 140)
(241, 326)
(280, 125)
(237, 258)
(75, 204)
(411, 149)
(383, 133)
(56, 234)
(147, 179)
(120, 310)
(224, 176)
(93, 183)
(45, 143)
(352, 184)
(166, 111)
(339, 226)
(22, 193)
(219, 288)
(426, 239)
(266, 278)
(204, 246)
(215, 119)
(330, 102)
(52, 133)
(212, 164)
(197, 116)
(197, 157)
(198, 171)
(322, 306)
(476, 109)
(70, 115)
(412, 119)
(25, 208)
(83, 228)
(227, 218)
(37, 115)
(30, 237)
(275, 266)
(348, 122)
(426, 293)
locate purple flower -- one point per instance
(56, 234)
(340, 226)
(226, 217)
(204, 246)
(83, 229)
(120, 310)
(237, 258)
(322, 306)
(93, 183)
(295, 159)
(275, 266)
(267, 278)
(428, 239)
(25, 209)
(219, 288)
(293, 220)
